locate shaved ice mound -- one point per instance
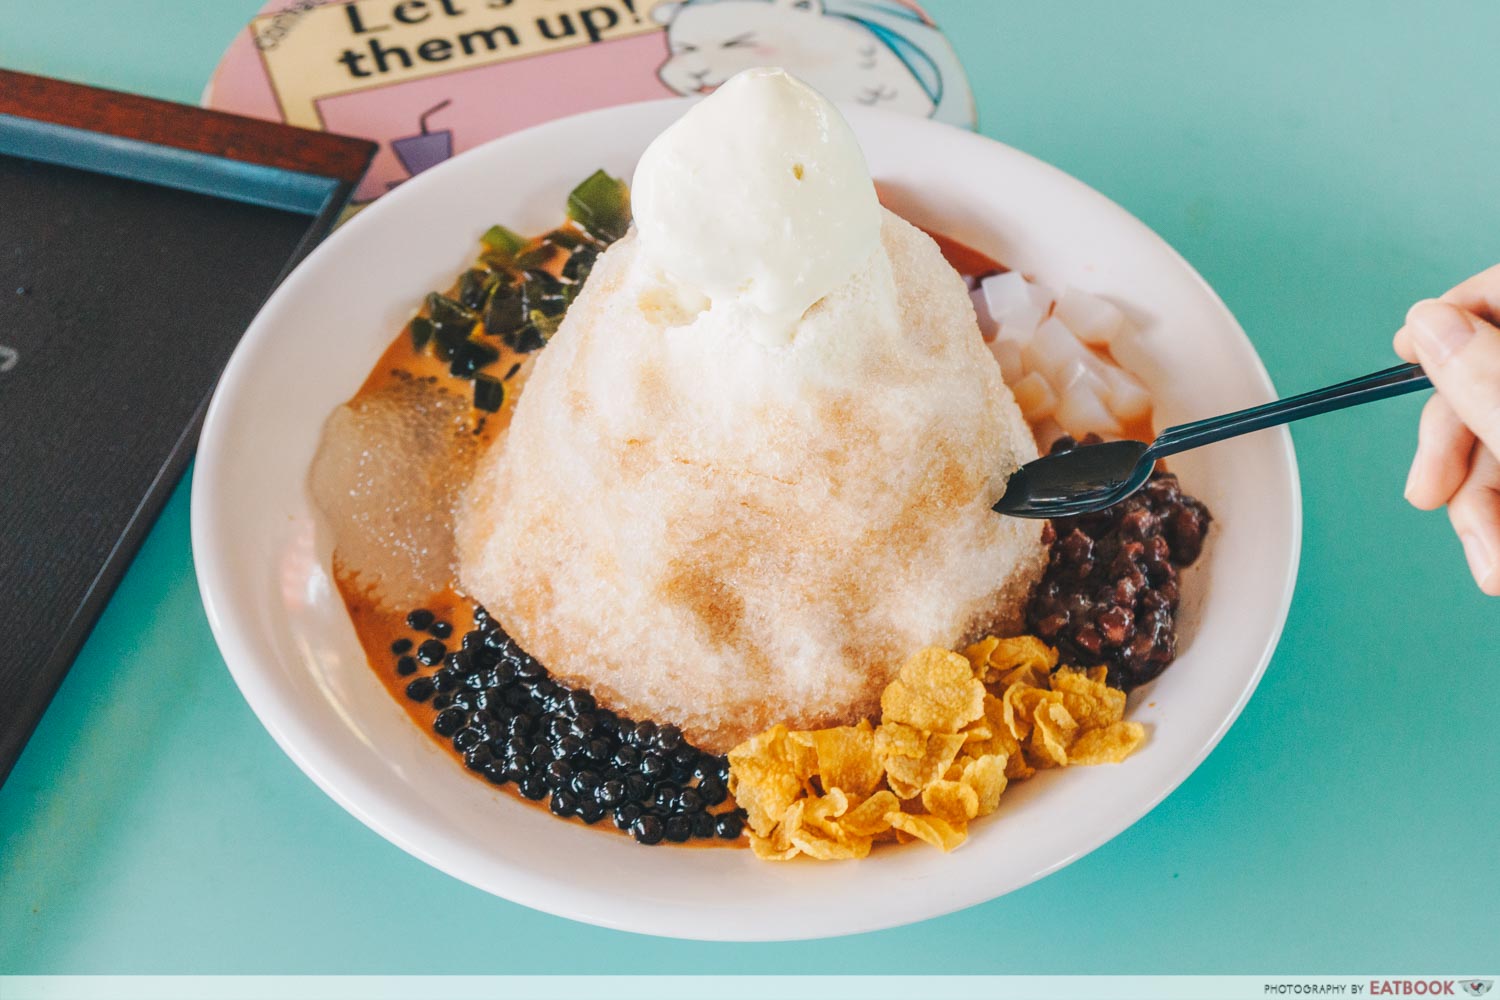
(708, 529)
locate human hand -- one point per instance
(1457, 342)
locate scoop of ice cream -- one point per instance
(758, 199)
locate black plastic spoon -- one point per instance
(1096, 476)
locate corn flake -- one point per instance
(1020, 659)
(907, 776)
(935, 691)
(1052, 736)
(933, 830)
(1088, 699)
(893, 739)
(953, 802)
(846, 759)
(1109, 745)
(986, 776)
(871, 817)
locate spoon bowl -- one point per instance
(1090, 477)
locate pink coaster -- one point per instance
(426, 79)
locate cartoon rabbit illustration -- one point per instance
(881, 53)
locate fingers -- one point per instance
(1457, 343)
(1461, 354)
(1475, 514)
(1404, 349)
(1444, 446)
(1479, 295)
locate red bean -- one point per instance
(1110, 592)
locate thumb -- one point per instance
(1461, 354)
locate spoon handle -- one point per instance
(1377, 385)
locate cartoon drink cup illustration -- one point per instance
(426, 149)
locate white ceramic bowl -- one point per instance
(263, 557)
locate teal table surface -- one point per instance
(1323, 165)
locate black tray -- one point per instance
(137, 240)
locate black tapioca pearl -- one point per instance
(421, 619)
(664, 794)
(677, 829)
(449, 721)
(580, 702)
(401, 646)
(637, 788)
(563, 803)
(590, 811)
(610, 793)
(703, 825)
(728, 826)
(559, 773)
(431, 652)
(406, 666)
(712, 791)
(532, 787)
(648, 830)
(446, 680)
(626, 758)
(645, 735)
(497, 772)
(654, 766)
(669, 738)
(626, 815)
(689, 800)
(477, 758)
(442, 700)
(466, 739)
(420, 689)
(440, 630)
